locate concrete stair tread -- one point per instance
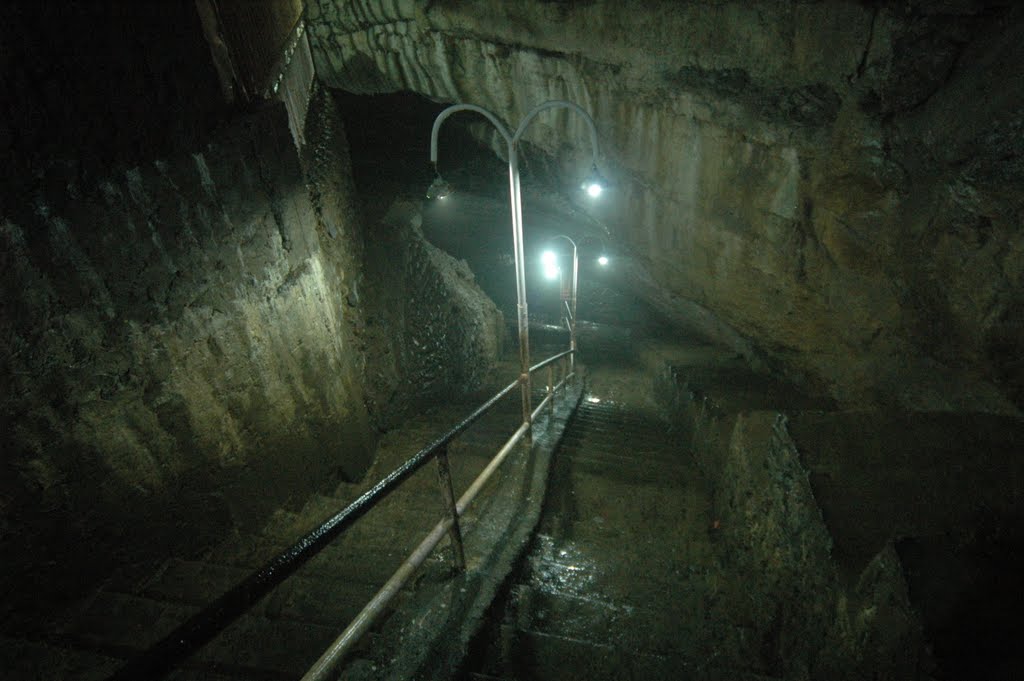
(629, 449)
(192, 673)
(24, 659)
(278, 645)
(321, 596)
(254, 552)
(615, 585)
(547, 656)
(122, 625)
(629, 461)
(636, 437)
(619, 417)
(402, 507)
(635, 628)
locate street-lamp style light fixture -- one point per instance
(439, 189)
(551, 271)
(512, 140)
(594, 184)
(549, 261)
(602, 255)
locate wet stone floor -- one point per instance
(622, 580)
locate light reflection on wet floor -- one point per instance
(622, 579)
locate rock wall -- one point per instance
(183, 345)
(433, 332)
(835, 184)
(815, 615)
(175, 349)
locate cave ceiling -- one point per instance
(832, 188)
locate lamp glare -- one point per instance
(603, 260)
(439, 189)
(594, 190)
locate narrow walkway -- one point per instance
(622, 581)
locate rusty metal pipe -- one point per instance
(211, 620)
(550, 397)
(551, 384)
(444, 479)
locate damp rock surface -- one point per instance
(190, 342)
(833, 188)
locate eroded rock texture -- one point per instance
(185, 344)
(836, 183)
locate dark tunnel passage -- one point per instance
(240, 346)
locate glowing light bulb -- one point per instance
(603, 260)
(594, 190)
(439, 189)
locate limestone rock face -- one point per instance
(175, 352)
(184, 345)
(430, 333)
(836, 184)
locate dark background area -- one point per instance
(91, 84)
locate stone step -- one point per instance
(480, 676)
(629, 443)
(194, 672)
(616, 416)
(666, 454)
(626, 469)
(534, 655)
(653, 432)
(415, 504)
(269, 645)
(191, 671)
(663, 631)
(318, 595)
(622, 582)
(348, 557)
(22, 659)
(121, 625)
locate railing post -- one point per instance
(444, 478)
(551, 388)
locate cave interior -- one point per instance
(227, 300)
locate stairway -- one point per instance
(622, 581)
(282, 635)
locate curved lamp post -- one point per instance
(441, 189)
(571, 303)
(552, 270)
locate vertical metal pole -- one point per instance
(572, 329)
(551, 388)
(523, 318)
(444, 478)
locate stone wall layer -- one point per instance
(836, 184)
(185, 347)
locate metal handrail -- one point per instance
(322, 669)
(214, 618)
